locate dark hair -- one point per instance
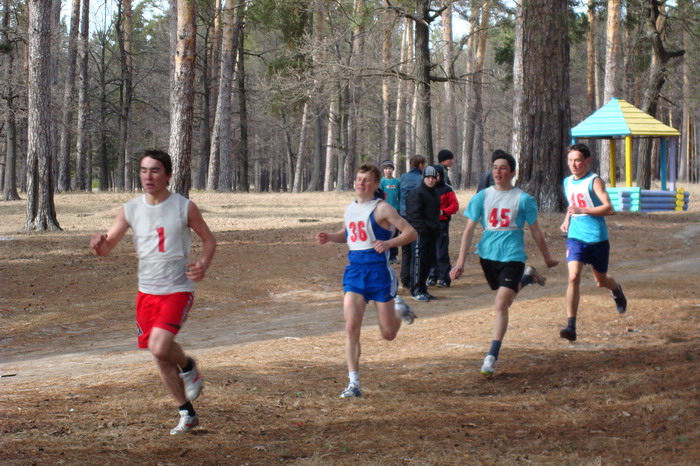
(499, 154)
(582, 148)
(160, 156)
(445, 154)
(417, 160)
(368, 167)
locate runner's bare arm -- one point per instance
(466, 243)
(104, 243)
(197, 269)
(326, 237)
(386, 216)
(542, 245)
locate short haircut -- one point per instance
(417, 160)
(499, 154)
(160, 156)
(368, 167)
(445, 154)
(582, 148)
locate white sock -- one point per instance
(354, 377)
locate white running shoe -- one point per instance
(489, 366)
(186, 424)
(351, 391)
(192, 381)
(403, 310)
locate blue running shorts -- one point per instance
(374, 282)
(596, 254)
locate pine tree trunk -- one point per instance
(468, 155)
(478, 145)
(400, 123)
(591, 57)
(388, 29)
(219, 178)
(331, 144)
(41, 212)
(424, 131)
(355, 93)
(83, 136)
(296, 183)
(127, 91)
(541, 120)
(64, 164)
(450, 108)
(182, 97)
(243, 182)
(655, 26)
(10, 179)
(612, 74)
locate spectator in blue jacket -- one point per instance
(407, 183)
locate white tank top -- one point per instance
(162, 240)
(358, 226)
(501, 209)
(579, 194)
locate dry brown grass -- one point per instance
(267, 329)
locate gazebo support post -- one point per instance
(628, 161)
(613, 169)
(662, 163)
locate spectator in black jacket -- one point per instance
(423, 213)
(449, 205)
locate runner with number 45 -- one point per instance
(503, 211)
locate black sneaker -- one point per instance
(431, 297)
(620, 300)
(568, 333)
(443, 284)
(430, 282)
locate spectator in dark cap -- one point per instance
(423, 213)
(449, 205)
(446, 159)
(392, 194)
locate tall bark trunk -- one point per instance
(209, 99)
(400, 123)
(450, 108)
(613, 75)
(220, 154)
(424, 130)
(331, 143)
(409, 134)
(104, 163)
(243, 182)
(126, 62)
(478, 145)
(541, 120)
(467, 161)
(684, 149)
(655, 26)
(64, 164)
(41, 212)
(388, 29)
(83, 136)
(355, 93)
(298, 169)
(182, 97)
(56, 112)
(591, 57)
(10, 179)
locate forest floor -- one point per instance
(267, 329)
